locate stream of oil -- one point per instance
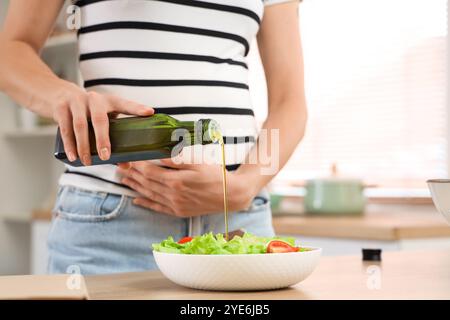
(225, 189)
(217, 137)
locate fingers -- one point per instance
(64, 118)
(146, 190)
(152, 205)
(72, 110)
(176, 164)
(99, 117)
(124, 165)
(80, 127)
(153, 189)
(154, 172)
(118, 104)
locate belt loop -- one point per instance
(190, 227)
(195, 226)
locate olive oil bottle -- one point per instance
(156, 137)
(144, 138)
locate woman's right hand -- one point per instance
(71, 108)
(32, 84)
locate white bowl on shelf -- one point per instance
(238, 272)
(440, 192)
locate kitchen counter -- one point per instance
(401, 275)
(373, 225)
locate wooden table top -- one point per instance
(402, 275)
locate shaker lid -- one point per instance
(371, 254)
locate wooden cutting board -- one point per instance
(68, 287)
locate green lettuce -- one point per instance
(216, 244)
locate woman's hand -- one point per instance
(185, 190)
(71, 107)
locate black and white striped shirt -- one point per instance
(185, 58)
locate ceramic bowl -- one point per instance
(440, 192)
(238, 272)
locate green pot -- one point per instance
(334, 196)
(275, 200)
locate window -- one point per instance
(375, 73)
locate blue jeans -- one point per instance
(98, 232)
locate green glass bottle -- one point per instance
(145, 138)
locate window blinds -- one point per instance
(376, 83)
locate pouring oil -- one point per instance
(217, 137)
(225, 189)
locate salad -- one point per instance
(216, 244)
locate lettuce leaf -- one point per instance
(216, 244)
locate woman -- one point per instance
(184, 58)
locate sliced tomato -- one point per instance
(278, 246)
(184, 240)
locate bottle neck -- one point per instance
(204, 131)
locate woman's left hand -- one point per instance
(185, 190)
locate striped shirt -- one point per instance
(185, 58)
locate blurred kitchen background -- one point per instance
(377, 85)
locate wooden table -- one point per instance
(402, 275)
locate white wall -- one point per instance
(14, 237)
(28, 174)
(447, 68)
(27, 178)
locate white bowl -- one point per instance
(440, 192)
(238, 271)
